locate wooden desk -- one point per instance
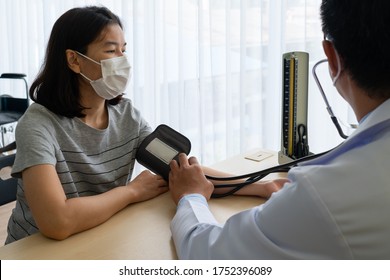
(140, 231)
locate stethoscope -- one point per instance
(258, 175)
(328, 108)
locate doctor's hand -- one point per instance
(187, 177)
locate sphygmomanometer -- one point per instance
(160, 147)
(165, 144)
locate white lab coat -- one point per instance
(336, 207)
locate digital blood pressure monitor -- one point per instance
(160, 147)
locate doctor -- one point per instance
(334, 207)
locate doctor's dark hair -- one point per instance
(56, 86)
(360, 32)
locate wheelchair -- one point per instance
(11, 109)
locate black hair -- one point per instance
(56, 86)
(360, 32)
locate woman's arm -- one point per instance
(261, 188)
(58, 217)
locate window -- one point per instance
(210, 69)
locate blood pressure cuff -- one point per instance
(160, 147)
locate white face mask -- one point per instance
(115, 76)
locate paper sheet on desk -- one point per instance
(258, 156)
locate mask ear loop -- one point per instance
(85, 77)
(90, 59)
(334, 80)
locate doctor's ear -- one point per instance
(332, 56)
(72, 60)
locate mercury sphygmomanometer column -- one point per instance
(294, 142)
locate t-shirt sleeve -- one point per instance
(144, 128)
(35, 144)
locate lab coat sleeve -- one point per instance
(192, 225)
(293, 224)
(197, 235)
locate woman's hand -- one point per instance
(147, 185)
(263, 189)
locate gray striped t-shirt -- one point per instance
(88, 161)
